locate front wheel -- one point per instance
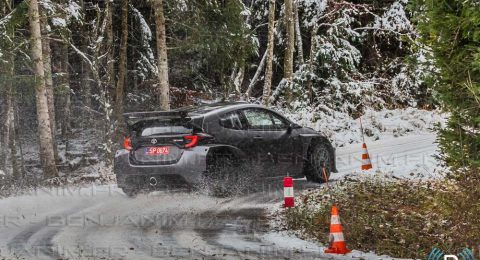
(319, 164)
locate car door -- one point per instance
(273, 144)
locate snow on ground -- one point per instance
(393, 139)
(73, 221)
(401, 144)
(284, 239)
(412, 156)
(342, 129)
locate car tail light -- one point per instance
(192, 141)
(127, 143)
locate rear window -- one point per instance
(159, 130)
(161, 127)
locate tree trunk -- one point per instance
(238, 82)
(12, 142)
(66, 94)
(164, 89)
(47, 155)
(12, 138)
(8, 142)
(267, 87)
(311, 62)
(110, 48)
(21, 165)
(298, 36)
(290, 47)
(122, 64)
(9, 126)
(47, 63)
(256, 76)
(86, 71)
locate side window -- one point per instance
(258, 119)
(279, 122)
(231, 121)
(264, 119)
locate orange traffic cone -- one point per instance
(366, 163)
(337, 241)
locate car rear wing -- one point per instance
(135, 117)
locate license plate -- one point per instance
(161, 150)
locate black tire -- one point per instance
(319, 157)
(130, 192)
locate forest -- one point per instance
(70, 68)
(401, 76)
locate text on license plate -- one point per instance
(161, 150)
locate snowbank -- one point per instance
(342, 129)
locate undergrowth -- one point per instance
(399, 218)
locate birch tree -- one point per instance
(267, 88)
(47, 155)
(164, 88)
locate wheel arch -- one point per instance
(312, 140)
(224, 150)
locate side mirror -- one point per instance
(292, 126)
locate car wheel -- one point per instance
(319, 157)
(130, 192)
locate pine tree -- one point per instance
(452, 30)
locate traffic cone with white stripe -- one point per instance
(336, 238)
(366, 163)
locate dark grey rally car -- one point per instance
(188, 145)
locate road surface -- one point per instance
(100, 222)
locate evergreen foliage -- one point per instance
(356, 54)
(451, 29)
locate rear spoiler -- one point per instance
(135, 117)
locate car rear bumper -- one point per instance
(186, 172)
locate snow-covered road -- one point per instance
(100, 222)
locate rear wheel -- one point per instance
(319, 164)
(130, 192)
